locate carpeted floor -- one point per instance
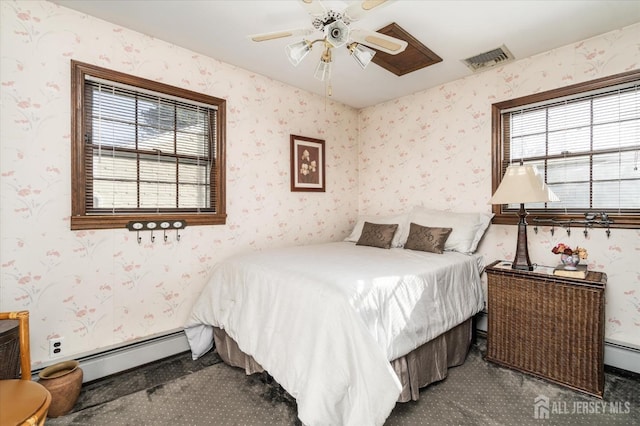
(179, 391)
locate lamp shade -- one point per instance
(297, 51)
(323, 71)
(522, 184)
(362, 54)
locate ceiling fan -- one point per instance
(336, 32)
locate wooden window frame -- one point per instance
(80, 218)
(507, 217)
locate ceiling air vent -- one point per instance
(489, 59)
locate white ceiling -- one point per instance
(454, 30)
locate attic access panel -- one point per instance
(414, 57)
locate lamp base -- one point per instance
(521, 261)
(522, 267)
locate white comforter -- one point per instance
(325, 320)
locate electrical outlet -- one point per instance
(55, 347)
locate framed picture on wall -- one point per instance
(307, 164)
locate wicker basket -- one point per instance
(548, 326)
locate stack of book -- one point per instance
(579, 272)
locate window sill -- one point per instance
(120, 221)
(577, 221)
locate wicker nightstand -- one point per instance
(548, 326)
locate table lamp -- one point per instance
(522, 184)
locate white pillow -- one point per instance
(399, 238)
(467, 228)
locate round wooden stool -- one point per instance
(23, 402)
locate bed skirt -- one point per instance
(420, 367)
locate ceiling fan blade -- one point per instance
(314, 7)
(281, 34)
(358, 9)
(381, 42)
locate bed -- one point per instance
(347, 328)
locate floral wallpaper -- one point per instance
(434, 148)
(101, 288)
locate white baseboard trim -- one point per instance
(122, 358)
(615, 354)
(624, 357)
(115, 360)
(481, 322)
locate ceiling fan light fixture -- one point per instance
(296, 52)
(334, 26)
(323, 71)
(362, 54)
(337, 33)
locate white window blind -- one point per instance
(586, 147)
(147, 151)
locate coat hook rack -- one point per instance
(151, 225)
(590, 221)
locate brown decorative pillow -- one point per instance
(428, 239)
(377, 235)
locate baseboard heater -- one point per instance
(616, 354)
(125, 357)
(121, 358)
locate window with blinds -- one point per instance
(144, 149)
(584, 140)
